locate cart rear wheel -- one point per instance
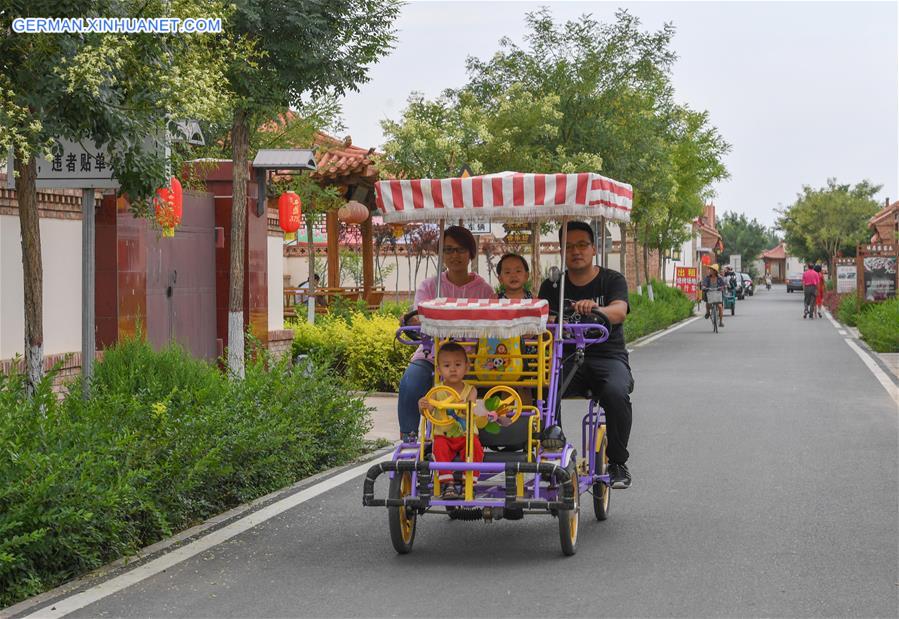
(602, 494)
(402, 521)
(733, 309)
(569, 518)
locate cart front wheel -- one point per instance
(602, 494)
(733, 309)
(402, 521)
(569, 518)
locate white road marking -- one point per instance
(142, 572)
(879, 374)
(666, 332)
(843, 332)
(835, 324)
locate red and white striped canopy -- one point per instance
(504, 197)
(483, 317)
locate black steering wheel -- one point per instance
(404, 322)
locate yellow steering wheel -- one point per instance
(453, 402)
(514, 400)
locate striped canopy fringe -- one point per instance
(509, 196)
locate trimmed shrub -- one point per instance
(164, 441)
(878, 325)
(362, 348)
(832, 300)
(849, 309)
(670, 306)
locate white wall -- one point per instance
(61, 257)
(276, 264)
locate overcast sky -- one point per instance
(803, 91)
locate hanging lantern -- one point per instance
(352, 212)
(169, 204)
(289, 212)
(706, 259)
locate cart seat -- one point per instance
(512, 438)
(505, 456)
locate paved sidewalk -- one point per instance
(383, 417)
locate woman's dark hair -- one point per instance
(463, 237)
(578, 225)
(818, 268)
(499, 265)
(452, 347)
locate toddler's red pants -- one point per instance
(446, 448)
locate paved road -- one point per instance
(765, 484)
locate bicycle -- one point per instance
(714, 298)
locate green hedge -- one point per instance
(164, 442)
(671, 305)
(362, 348)
(849, 309)
(878, 324)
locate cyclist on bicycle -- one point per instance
(713, 282)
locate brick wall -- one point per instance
(630, 265)
(69, 368)
(280, 342)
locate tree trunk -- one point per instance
(240, 143)
(32, 271)
(646, 263)
(636, 259)
(310, 280)
(536, 270)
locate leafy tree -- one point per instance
(825, 221)
(582, 95)
(112, 90)
(297, 50)
(747, 238)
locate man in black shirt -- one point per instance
(606, 371)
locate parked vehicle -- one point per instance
(739, 289)
(748, 286)
(794, 283)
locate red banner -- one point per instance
(686, 279)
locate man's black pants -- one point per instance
(610, 382)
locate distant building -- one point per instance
(885, 224)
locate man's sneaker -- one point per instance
(619, 476)
(706, 315)
(409, 437)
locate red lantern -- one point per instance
(706, 259)
(352, 212)
(290, 208)
(169, 206)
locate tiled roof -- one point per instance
(883, 214)
(335, 158)
(776, 253)
(340, 158)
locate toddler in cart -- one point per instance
(449, 440)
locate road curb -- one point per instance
(872, 354)
(642, 340)
(161, 547)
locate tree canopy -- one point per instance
(828, 220)
(744, 237)
(115, 90)
(579, 96)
